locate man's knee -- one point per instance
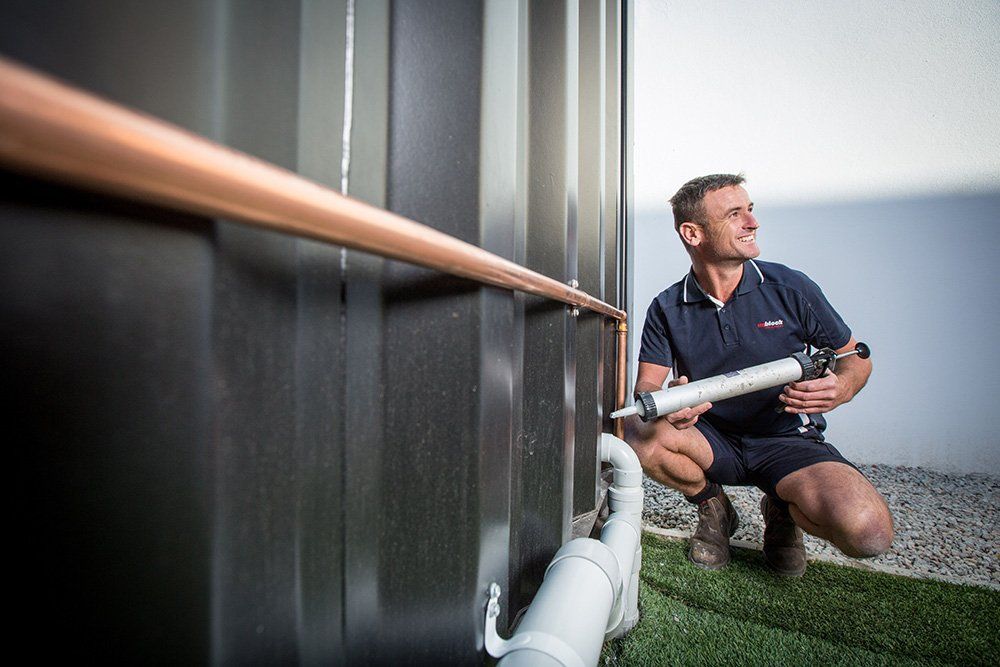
(655, 434)
(642, 439)
(870, 533)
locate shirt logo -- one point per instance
(771, 324)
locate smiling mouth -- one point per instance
(747, 239)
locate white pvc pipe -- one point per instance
(590, 590)
(625, 502)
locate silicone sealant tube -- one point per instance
(716, 388)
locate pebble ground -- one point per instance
(946, 524)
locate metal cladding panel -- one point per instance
(364, 388)
(502, 213)
(105, 336)
(105, 341)
(612, 204)
(545, 442)
(191, 511)
(590, 326)
(271, 325)
(235, 446)
(159, 57)
(429, 536)
(320, 353)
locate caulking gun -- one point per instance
(797, 367)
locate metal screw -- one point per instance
(574, 283)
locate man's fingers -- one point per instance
(682, 424)
(679, 381)
(807, 411)
(807, 405)
(688, 416)
(687, 413)
(810, 401)
(828, 381)
(792, 394)
(810, 406)
(680, 416)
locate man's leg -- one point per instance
(678, 458)
(834, 501)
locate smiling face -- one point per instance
(729, 232)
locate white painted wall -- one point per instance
(870, 136)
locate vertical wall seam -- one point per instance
(345, 152)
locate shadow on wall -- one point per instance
(916, 278)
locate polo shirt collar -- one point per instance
(751, 280)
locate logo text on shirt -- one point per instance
(771, 324)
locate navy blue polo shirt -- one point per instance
(774, 312)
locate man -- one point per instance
(731, 312)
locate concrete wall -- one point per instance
(869, 138)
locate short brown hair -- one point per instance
(689, 202)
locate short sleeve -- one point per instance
(655, 345)
(822, 325)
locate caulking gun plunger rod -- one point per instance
(797, 367)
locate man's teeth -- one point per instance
(747, 239)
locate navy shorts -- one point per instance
(763, 461)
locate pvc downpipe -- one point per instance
(625, 502)
(590, 588)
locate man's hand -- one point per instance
(687, 417)
(813, 396)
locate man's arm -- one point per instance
(833, 389)
(650, 377)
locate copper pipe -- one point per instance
(52, 129)
(49, 128)
(621, 375)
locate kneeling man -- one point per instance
(731, 312)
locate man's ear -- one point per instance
(692, 233)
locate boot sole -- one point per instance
(791, 574)
(703, 566)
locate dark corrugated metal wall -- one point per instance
(232, 445)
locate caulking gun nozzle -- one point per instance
(624, 412)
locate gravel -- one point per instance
(947, 525)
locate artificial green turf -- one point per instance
(834, 615)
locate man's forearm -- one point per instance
(853, 373)
(646, 386)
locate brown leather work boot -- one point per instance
(717, 521)
(783, 547)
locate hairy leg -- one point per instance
(675, 457)
(834, 501)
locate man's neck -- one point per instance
(719, 279)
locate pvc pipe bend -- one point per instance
(627, 470)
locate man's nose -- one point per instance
(750, 222)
